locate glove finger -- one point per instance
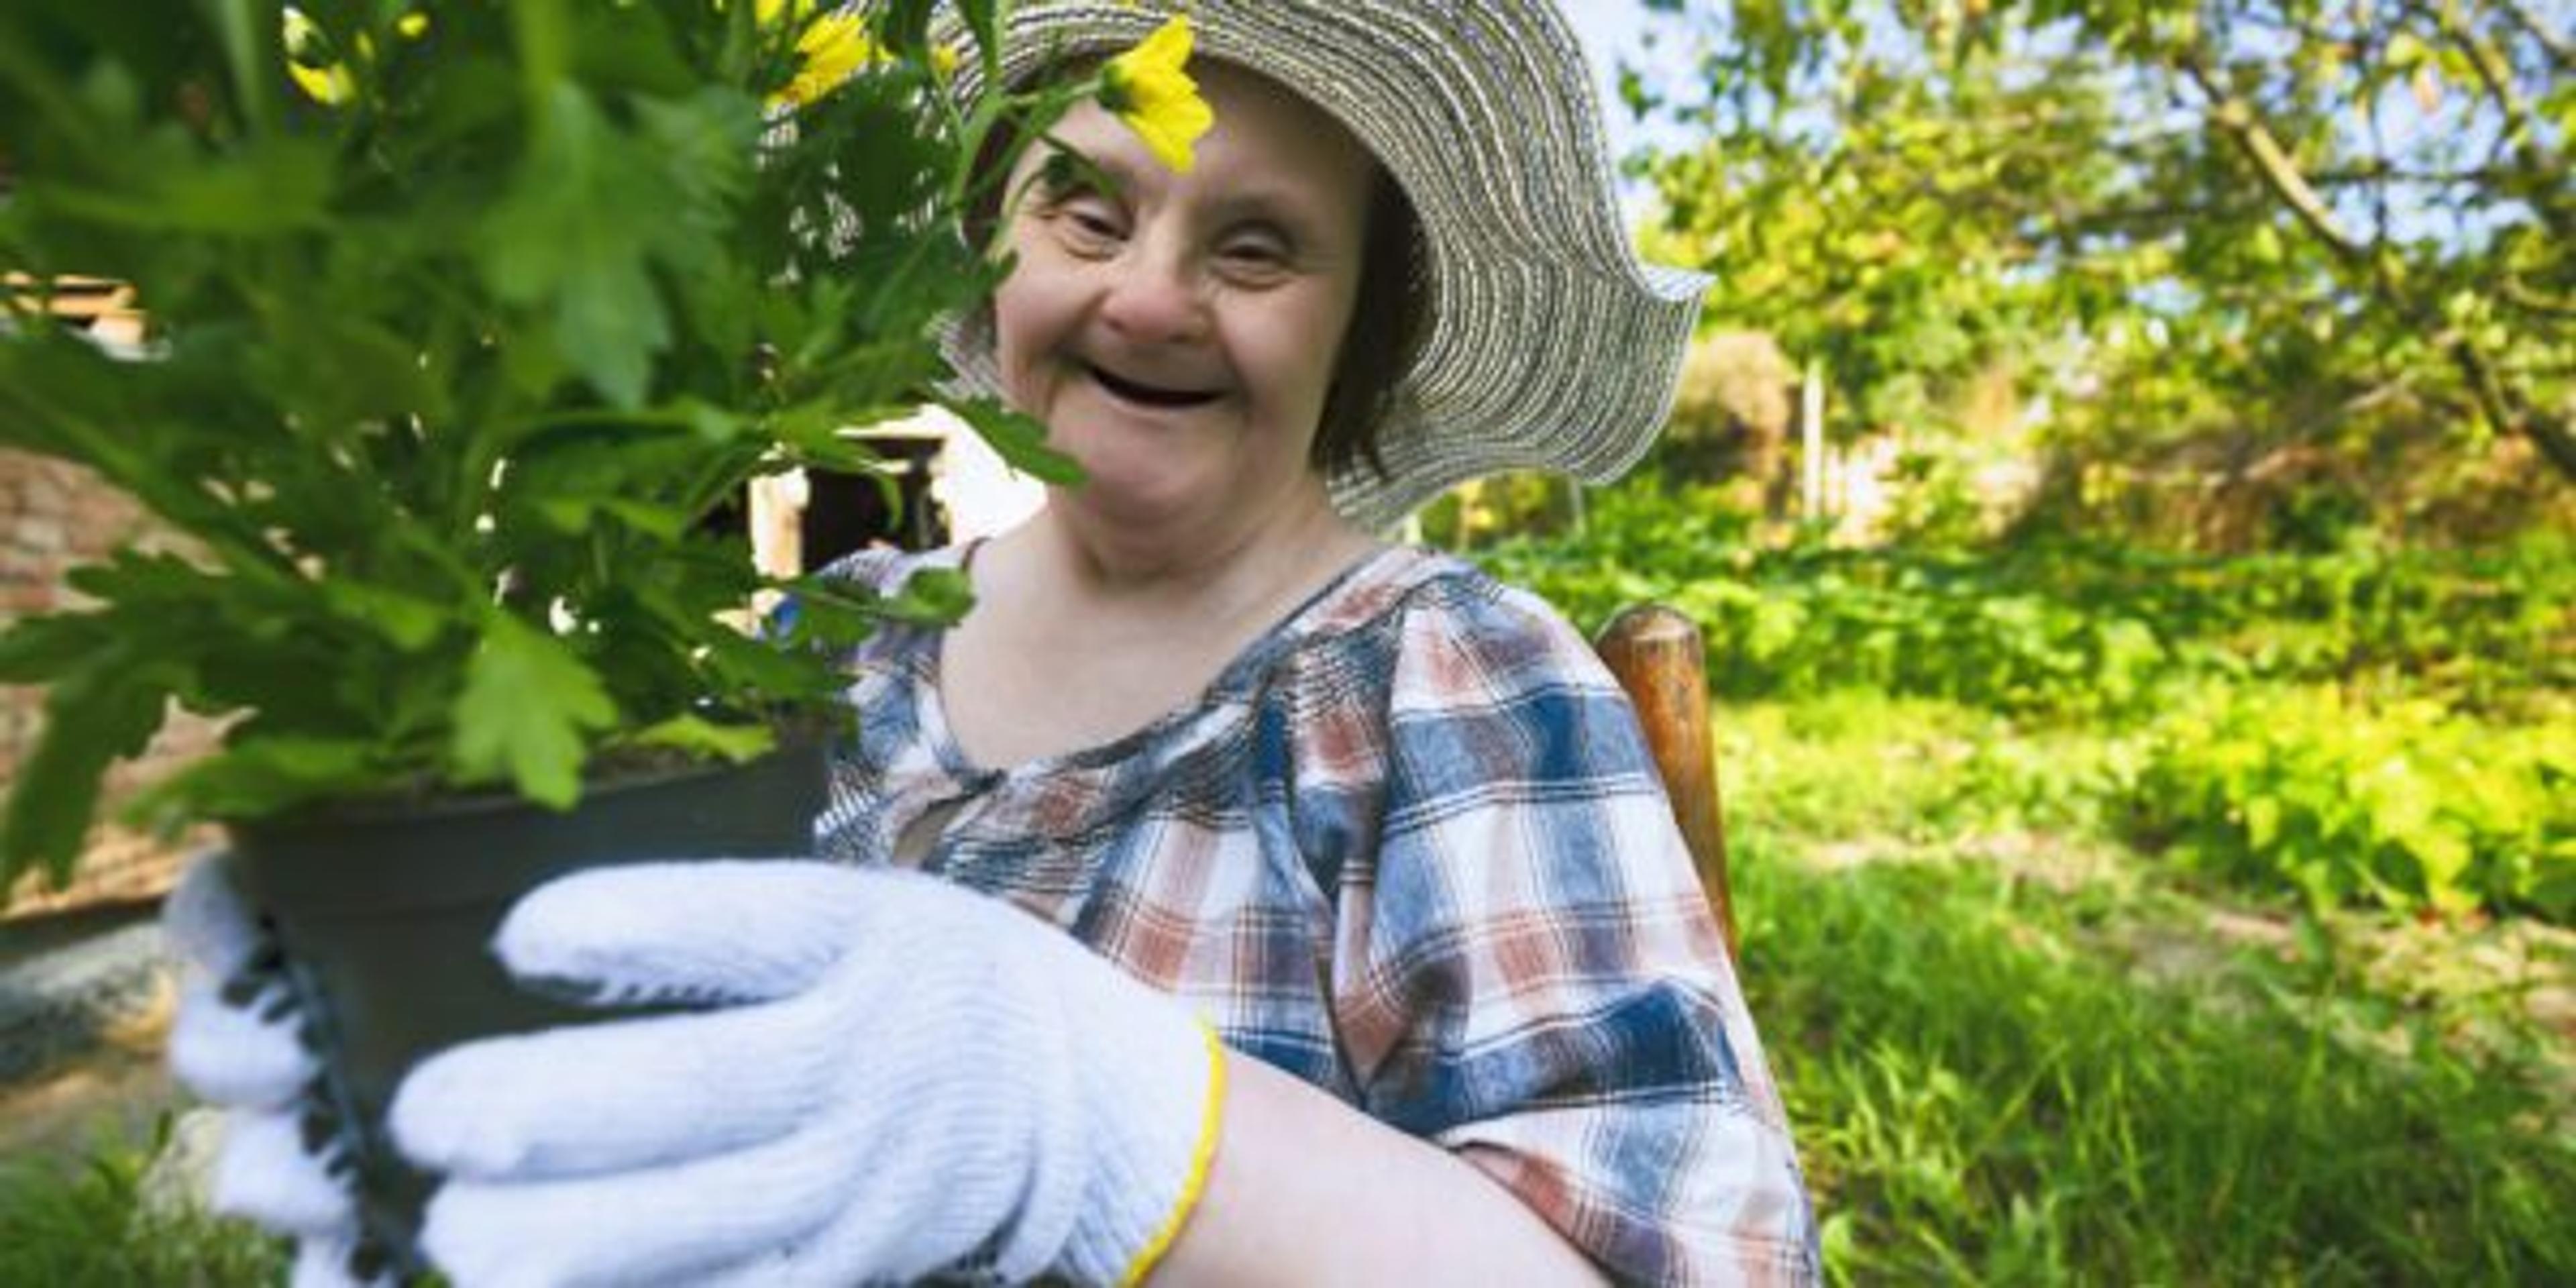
(699, 932)
(624, 1094)
(919, 1193)
(656, 1225)
(266, 1175)
(232, 1056)
(890, 1234)
(207, 922)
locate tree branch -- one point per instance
(2382, 171)
(2495, 73)
(2555, 44)
(2233, 114)
(2514, 292)
(2552, 434)
(2501, 405)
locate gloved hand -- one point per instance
(236, 1044)
(903, 1075)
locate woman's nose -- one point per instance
(1154, 299)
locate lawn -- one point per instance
(2018, 1050)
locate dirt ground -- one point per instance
(117, 1087)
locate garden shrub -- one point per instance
(2402, 803)
(2369, 724)
(2063, 628)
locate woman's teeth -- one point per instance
(1150, 395)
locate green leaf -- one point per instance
(2262, 821)
(609, 324)
(984, 19)
(557, 242)
(1020, 440)
(527, 703)
(761, 666)
(410, 622)
(130, 577)
(37, 650)
(827, 616)
(930, 597)
(271, 187)
(259, 778)
(247, 32)
(106, 712)
(689, 733)
(812, 434)
(905, 25)
(573, 514)
(704, 145)
(712, 423)
(666, 522)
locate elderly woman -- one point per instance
(1230, 896)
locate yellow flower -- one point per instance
(329, 84)
(412, 25)
(828, 50)
(1148, 88)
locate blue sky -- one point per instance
(1610, 30)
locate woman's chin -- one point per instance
(1180, 482)
(1137, 500)
(1134, 488)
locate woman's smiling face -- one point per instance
(1177, 332)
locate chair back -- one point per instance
(1655, 652)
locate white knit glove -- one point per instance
(903, 1075)
(235, 1044)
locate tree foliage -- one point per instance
(2314, 220)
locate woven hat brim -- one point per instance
(1550, 345)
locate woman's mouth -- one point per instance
(1136, 391)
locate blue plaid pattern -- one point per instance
(1410, 847)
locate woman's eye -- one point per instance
(1089, 226)
(1255, 255)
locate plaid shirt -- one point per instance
(1410, 847)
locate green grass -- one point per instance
(1916, 773)
(1976, 1098)
(2016, 1052)
(93, 1220)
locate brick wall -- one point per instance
(53, 518)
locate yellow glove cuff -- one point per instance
(1202, 1160)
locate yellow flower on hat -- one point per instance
(828, 50)
(327, 83)
(1149, 88)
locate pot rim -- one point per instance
(449, 804)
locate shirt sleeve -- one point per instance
(1535, 978)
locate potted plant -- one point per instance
(461, 321)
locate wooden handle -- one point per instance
(1655, 652)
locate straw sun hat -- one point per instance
(1547, 343)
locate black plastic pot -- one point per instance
(387, 917)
